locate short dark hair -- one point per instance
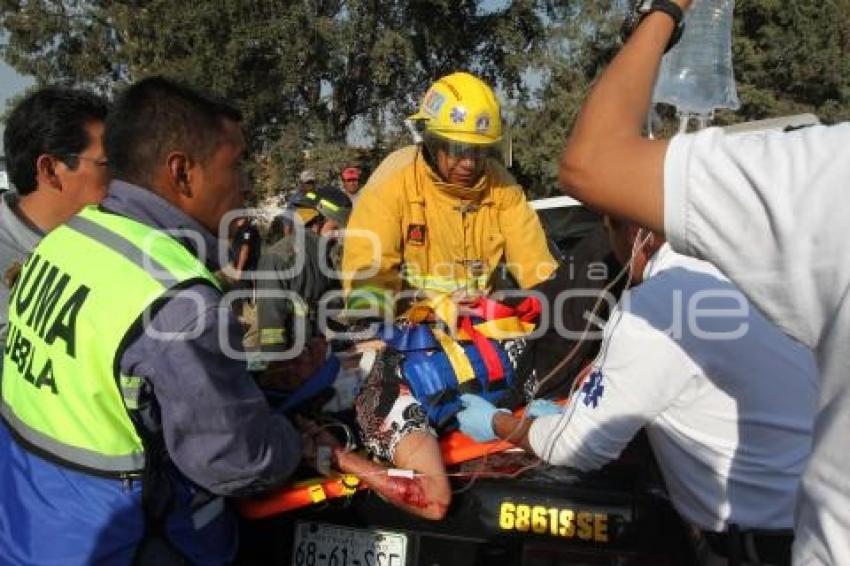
(156, 116)
(52, 120)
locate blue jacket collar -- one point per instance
(149, 208)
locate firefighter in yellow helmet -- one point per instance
(443, 214)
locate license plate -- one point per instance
(318, 544)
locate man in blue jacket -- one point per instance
(125, 421)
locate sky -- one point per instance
(11, 83)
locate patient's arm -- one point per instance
(420, 452)
(395, 427)
(426, 494)
(418, 484)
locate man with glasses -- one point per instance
(56, 162)
(127, 409)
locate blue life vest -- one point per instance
(429, 374)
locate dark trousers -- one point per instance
(752, 546)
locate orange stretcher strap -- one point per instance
(299, 495)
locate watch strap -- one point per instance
(675, 12)
(642, 8)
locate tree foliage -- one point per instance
(583, 38)
(309, 69)
(788, 58)
(313, 75)
(792, 57)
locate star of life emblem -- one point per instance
(592, 389)
(458, 115)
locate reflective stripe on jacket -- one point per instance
(81, 293)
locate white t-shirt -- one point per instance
(772, 211)
(727, 399)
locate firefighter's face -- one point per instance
(460, 169)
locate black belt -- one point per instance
(752, 546)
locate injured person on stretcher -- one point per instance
(412, 391)
(408, 396)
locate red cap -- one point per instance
(350, 174)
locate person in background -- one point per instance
(245, 248)
(246, 244)
(351, 182)
(275, 230)
(306, 180)
(320, 214)
(55, 160)
(306, 183)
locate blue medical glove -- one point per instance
(476, 417)
(543, 408)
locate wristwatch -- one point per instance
(642, 8)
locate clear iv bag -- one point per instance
(696, 75)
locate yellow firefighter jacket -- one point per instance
(409, 229)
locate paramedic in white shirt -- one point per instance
(727, 399)
(770, 210)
